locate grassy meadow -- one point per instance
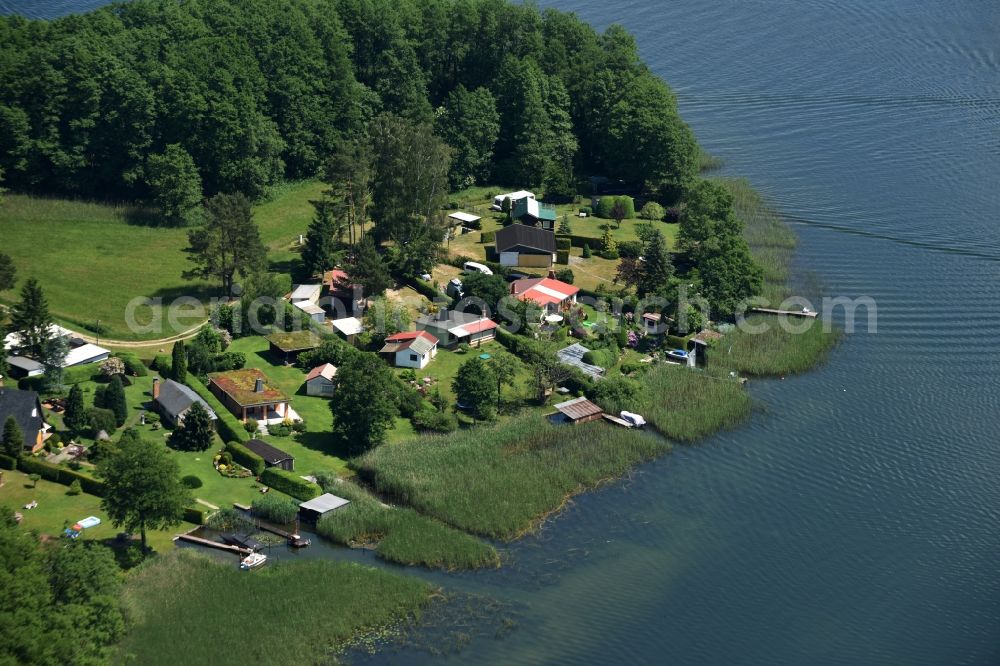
(183, 607)
(402, 535)
(502, 481)
(93, 258)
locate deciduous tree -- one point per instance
(363, 403)
(475, 386)
(195, 431)
(142, 487)
(174, 184)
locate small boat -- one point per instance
(678, 355)
(242, 541)
(253, 561)
(295, 541)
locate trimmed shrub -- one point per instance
(428, 419)
(630, 249)
(562, 257)
(290, 483)
(133, 366)
(564, 242)
(246, 457)
(565, 275)
(675, 342)
(101, 419)
(426, 289)
(586, 251)
(652, 211)
(487, 237)
(191, 481)
(607, 203)
(587, 210)
(275, 508)
(7, 462)
(75, 488)
(280, 430)
(600, 357)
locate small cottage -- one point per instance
(576, 411)
(309, 293)
(319, 381)
(172, 400)
(249, 394)
(548, 293)
(513, 196)
(452, 327)
(287, 345)
(653, 323)
(412, 349)
(522, 245)
(348, 328)
(533, 213)
(315, 508)
(26, 409)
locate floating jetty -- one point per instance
(788, 313)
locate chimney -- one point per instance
(258, 387)
(443, 314)
(156, 388)
(552, 274)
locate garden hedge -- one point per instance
(564, 242)
(290, 483)
(246, 457)
(6, 462)
(229, 427)
(426, 289)
(562, 257)
(487, 237)
(62, 475)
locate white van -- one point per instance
(475, 267)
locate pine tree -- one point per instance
(179, 367)
(657, 268)
(320, 251)
(195, 431)
(370, 270)
(609, 248)
(31, 320)
(564, 228)
(586, 251)
(13, 438)
(75, 417)
(114, 398)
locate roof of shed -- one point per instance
(324, 503)
(573, 355)
(174, 398)
(515, 234)
(578, 408)
(239, 385)
(271, 455)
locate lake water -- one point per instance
(856, 518)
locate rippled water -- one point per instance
(855, 519)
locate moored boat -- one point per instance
(253, 561)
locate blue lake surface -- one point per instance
(856, 518)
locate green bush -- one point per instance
(562, 257)
(251, 426)
(280, 430)
(587, 209)
(55, 440)
(628, 367)
(564, 242)
(652, 211)
(487, 237)
(290, 483)
(275, 508)
(152, 417)
(586, 251)
(246, 457)
(602, 358)
(100, 419)
(75, 488)
(565, 275)
(163, 364)
(7, 462)
(606, 204)
(191, 481)
(630, 249)
(133, 366)
(424, 288)
(428, 419)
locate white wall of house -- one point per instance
(407, 358)
(509, 258)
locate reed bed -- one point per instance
(502, 481)
(776, 351)
(402, 535)
(686, 405)
(183, 607)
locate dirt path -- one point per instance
(186, 335)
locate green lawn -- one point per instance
(57, 510)
(97, 257)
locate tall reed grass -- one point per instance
(402, 535)
(502, 481)
(185, 608)
(776, 351)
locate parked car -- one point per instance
(475, 267)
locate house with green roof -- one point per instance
(534, 213)
(249, 394)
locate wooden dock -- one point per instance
(212, 544)
(787, 313)
(617, 421)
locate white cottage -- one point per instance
(412, 349)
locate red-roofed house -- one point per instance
(319, 381)
(550, 294)
(452, 327)
(411, 349)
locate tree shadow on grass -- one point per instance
(323, 442)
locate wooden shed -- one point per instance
(578, 410)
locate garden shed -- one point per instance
(318, 506)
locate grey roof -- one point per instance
(452, 318)
(25, 363)
(324, 503)
(573, 355)
(26, 410)
(175, 398)
(271, 455)
(515, 235)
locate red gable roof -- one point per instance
(543, 290)
(479, 326)
(410, 336)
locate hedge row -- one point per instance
(562, 257)
(564, 242)
(488, 237)
(229, 427)
(6, 462)
(246, 457)
(290, 483)
(195, 514)
(62, 475)
(426, 289)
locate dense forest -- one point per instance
(237, 95)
